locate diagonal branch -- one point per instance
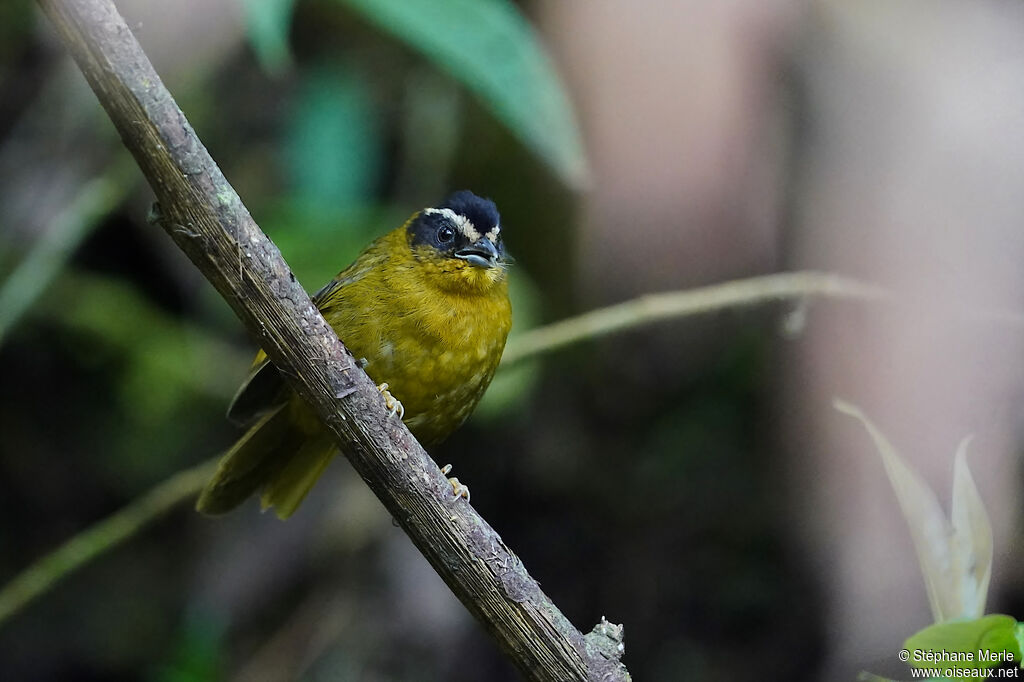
(206, 219)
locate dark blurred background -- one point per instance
(688, 479)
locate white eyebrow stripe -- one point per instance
(464, 224)
(446, 212)
(493, 233)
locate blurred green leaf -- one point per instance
(48, 256)
(161, 369)
(164, 357)
(490, 47)
(267, 24)
(986, 639)
(16, 21)
(332, 146)
(197, 657)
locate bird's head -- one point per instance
(459, 242)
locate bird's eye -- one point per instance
(445, 234)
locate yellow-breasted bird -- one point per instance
(425, 308)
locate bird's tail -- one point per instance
(274, 455)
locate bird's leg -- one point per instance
(459, 489)
(391, 402)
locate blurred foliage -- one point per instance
(955, 555)
(333, 110)
(197, 657)
(1000, 637)
(484, 44)
(15, 18)
(48, 256)
(146, 342)
(954, 552)
(268, 23)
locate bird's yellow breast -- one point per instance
(432, 328)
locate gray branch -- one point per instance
(206, 219)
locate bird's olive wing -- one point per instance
(264, 388)
(262, 391)
(353, 273)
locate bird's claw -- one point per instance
(391, 401)
(458, 488)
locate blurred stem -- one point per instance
(109, 533)
(100, 537)
(95, 200)
(674, 304)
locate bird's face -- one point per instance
(459, 243)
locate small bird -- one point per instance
(425, 308)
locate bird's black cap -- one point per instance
(482, 212)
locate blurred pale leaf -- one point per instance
(332, 146)
(490, 47)
(267, 24)
(955, 556)
(972, 535)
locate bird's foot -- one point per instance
(459, 489)
(391, 401)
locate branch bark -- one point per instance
(206, 219)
